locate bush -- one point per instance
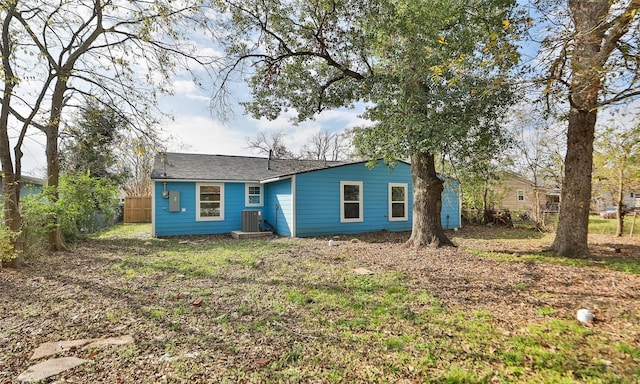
(7, 252)
(84, 205)
(35, 210)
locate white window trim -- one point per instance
(518, 192)
(219, 218)
(406, 201)
(360, 202)
(246, 195)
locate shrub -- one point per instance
(84, 205)
(7, 252)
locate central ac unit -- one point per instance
(251, 221)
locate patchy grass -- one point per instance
(216, 309)
(525, 244)
(600, 226)
(623, 264)
(126, 231)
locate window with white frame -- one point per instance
(398, 201)
(209, 201)
(520, 194)
(253, 193)
(350, 201)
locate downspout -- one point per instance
(293, 206)
(153, 209)
(459, 205)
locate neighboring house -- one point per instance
(604, 200)
(209, 194)
(30, 185)
(631, 200)
(518, 195)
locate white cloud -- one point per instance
(201, 134)
(296, 136)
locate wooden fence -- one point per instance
(137, 209)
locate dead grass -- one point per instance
(214, 309)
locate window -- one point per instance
(398, 202)
(209, 202)
(350, 201)
(520, 194)
(253, 195)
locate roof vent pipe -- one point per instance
(269, 160)
(163, 159)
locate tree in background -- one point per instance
(477, 163)
(136, 156)
(122, 52)
(272, 146)
(325, 145)
(616, 164)
(537, 154)
(433, 74)
(594, 49)
(322, 145)
(88, 146)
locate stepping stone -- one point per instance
(118, 340)
(53, 348)
(362, 271)
(50, 368)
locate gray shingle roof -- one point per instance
(27, 180)
(187, 166)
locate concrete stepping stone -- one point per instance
(362, 271)
(117, 340)
(52, 348)
(53, 367)
(50, 368)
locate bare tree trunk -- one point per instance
(55, 239)
(537, 211)
(485, 205)
(573, 224)
(10, 178)
(619, 203)
(12, 217)
(427, 203)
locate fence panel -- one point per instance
(137, 209)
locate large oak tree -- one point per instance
(596, 64)
(430, 73)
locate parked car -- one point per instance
(609, 213)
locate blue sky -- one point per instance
(196, 129)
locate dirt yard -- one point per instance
(515, 290)
(75, 295)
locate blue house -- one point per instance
(30, 185)
(210, 194)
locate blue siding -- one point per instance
(30, 189)
(450, 214)
(26, 188)
(317, 205)
(184, 222)
(318, 199)
(278, 208)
